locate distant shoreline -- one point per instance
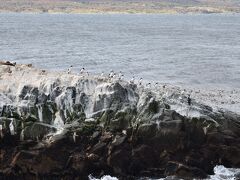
(178, 10)
(116, 12)
(120, 6)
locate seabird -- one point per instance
(132, 80)
(140, 81)
(43, 71)
(121, 78)
(124, 132)
(183, 92)
(156, 84)
(102, 74)
(111, 73)
(82, 70)
(69, 69)
(148, 85)
(120, 74)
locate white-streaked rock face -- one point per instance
(54, 98)
(86, 119)
(45, 101)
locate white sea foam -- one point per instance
(107, 177)
(220, 173)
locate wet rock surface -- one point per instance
(60, 125)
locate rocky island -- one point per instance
(63, 125)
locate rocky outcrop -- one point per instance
(60, 125)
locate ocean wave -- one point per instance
(220, 173)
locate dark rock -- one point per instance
(180, 170)
(215, 138)
(119, 161)
(99, 148)
(146, 131)
(146, 155)
(106, 137)
(38, 130)
(231, 156)
(118, 140)
(96, 134)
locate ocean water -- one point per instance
(189, 50)
(220, 173)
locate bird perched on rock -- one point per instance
(183, 92)
(148, 85)
(114, 76)
(124, 132)
(43, 72)
(69, 69)
(102, 74)
(132, 80)
(111, 73)
(82, 70)
(140, 81)
(121, 77)
(109, 76)
(120, 74)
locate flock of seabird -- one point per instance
(110, 77)
(119, 76)
(114, 76)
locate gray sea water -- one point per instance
(220, 173)
(193, 50)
